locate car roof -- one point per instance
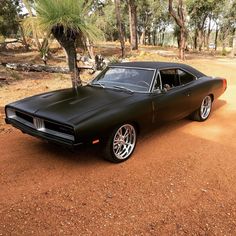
(160, 65)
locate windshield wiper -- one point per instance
(98, 84)
(123, 88)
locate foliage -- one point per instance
(8, 17)
(70, 13)
(103, 17)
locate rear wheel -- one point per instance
(203, 112)
(121, 143)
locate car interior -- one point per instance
(172, 78)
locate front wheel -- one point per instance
(121, 143)
(202, 113)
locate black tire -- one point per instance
(120, 145)
(203, 112)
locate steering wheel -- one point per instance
(144, 82)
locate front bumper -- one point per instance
(41, 135)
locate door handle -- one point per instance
(187, 93)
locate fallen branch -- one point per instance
(40, 68)
(12, 41)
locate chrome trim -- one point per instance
(151, 84)
(131, 67)
(156, 75)
(38, 124)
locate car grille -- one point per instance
(41, 125)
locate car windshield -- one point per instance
(129, 79)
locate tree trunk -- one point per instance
(68, 41)
(216, 37)
(196, 39)
(26, 45)
(120, 28)
(72, 63)
(182, 44)
(223, 45)
(154, 37)
(162, 37)
(90, 49)
(149, 37)
(208, 34)
(201, 39)
(233, 53)
(180, 21)
(133, 24)
(143, 37)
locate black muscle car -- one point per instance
(121, 101)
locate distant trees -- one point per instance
(227, 23)
(204, 16)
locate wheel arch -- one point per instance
(212, 96)
(136, 126)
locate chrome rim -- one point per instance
(124, 141)
(206, 107)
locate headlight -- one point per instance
(10, 113)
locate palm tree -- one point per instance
(65, 19)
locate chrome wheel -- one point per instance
(124, 141)
(205, 107)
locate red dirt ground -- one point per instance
(180, 180)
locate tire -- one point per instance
(121, 144)
(203, 112)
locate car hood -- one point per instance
(70, 106)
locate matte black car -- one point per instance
(121, 101)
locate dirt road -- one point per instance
(180, 180)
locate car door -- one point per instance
(172, 102)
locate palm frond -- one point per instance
(30, 22)
(71, 14)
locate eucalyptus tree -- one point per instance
(66, 21)
(132, 5)
(120, 27)
(179, 15)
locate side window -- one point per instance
(169, 78)
(185, 77)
